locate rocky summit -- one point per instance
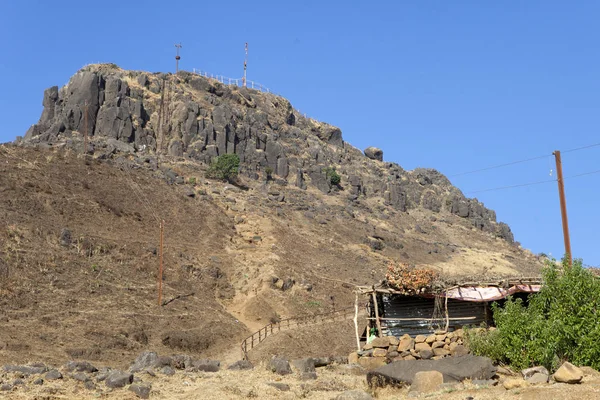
(309, 218)
(191, 117)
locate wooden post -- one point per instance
(379, 333)
(356, 322)
(447, 316)
(160, 268)
(563, 206)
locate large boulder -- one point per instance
(427, 382)
(118, 379)
(568, 373)
(454, 369)
(280, 366)
(374, 153)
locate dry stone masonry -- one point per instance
(383, 350)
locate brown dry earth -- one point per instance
(227, 251)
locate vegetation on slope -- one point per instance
(559, 323)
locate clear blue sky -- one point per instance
(451, 85)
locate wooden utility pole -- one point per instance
(85, 135)
(160, 268)
(563, 206)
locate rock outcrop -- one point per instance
(192, 117)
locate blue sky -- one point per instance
(450, 85)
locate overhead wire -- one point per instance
(534, 183)
(522, 161)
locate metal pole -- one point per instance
(563, 206)
(177, 58)
(160, 268)
(245, 65)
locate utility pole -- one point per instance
(245, 65)
(177, 58)
(85, 135)
(563, 206)
(160, 268)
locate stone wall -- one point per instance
(387, 349)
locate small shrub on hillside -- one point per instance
(269, 173)
(560, 323)
(332, 176)
(224, 167)
(192, 181)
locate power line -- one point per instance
(498, 166)
(513, 186)
(582, 148)
(534, 183)
(521, 161)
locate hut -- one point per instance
(417, 302)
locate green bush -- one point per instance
(224, 167)
(332, 176)
(269, 173)
(559, 324)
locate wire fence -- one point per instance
(239, 82)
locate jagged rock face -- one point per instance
(189, 116)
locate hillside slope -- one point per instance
(79, 250)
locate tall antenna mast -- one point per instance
(245, 66)
(177, 58)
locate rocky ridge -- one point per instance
(186, 116)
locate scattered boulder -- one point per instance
(147, 359)
(167, 370)
(38, 381)
(241, 365)
(26, 369)
(118, 379)
(6, 387)
(280, 366)
(206, 365)
(454, 369)
(514, 383)
(374, 153)
(538, 378)
(80, 366)
(535, 375)
(427, 382)
(80, 376)
(305, 368)
(568, 373)
(141, 390)
(53, 375)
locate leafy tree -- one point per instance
(560, 322)
(224, 167)
(332, 176)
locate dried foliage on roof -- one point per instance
(409, 279)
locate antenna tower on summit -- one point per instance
(245, 66)
(177, 58)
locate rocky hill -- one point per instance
(80, 244)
